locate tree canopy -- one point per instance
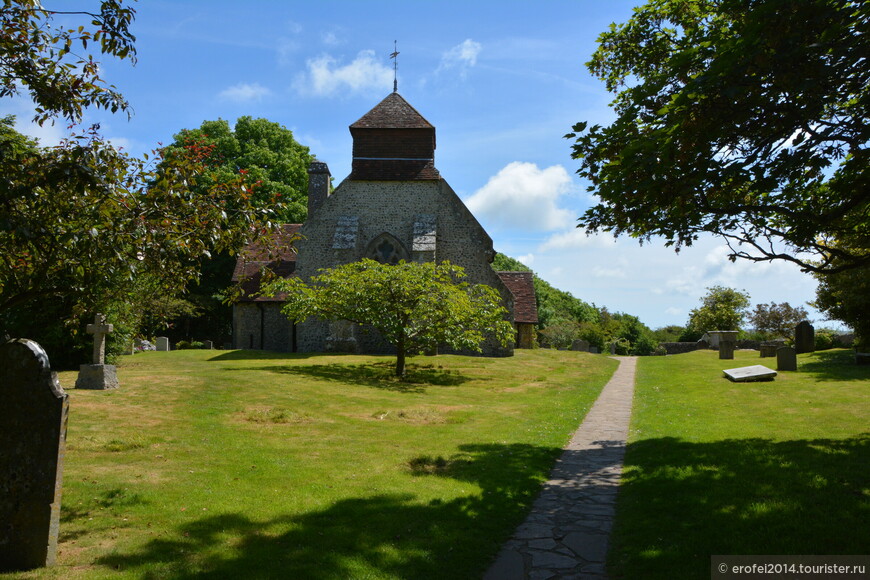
(83, 224)
(776, 320)
(746, 119)
(721, 308)
(273, 165)
(50, 62)
(415, 307)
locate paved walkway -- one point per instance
(567, 532)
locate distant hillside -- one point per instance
(553, 304)
(564, 318)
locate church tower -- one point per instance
(393, 142)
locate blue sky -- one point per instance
(502, 81)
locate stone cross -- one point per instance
(99, 329)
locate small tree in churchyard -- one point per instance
(776, 320)
(415, 307)
(721, 308)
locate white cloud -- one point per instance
(462, 57)
(528, 259)
(326, 77)
(245, 92)
(577, 238)
(524, 196)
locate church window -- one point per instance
(386, 249)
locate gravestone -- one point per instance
(786, 359)
(162, 343)
(98, 375)
(727, 343)
(207, 345)
(612, 348)
(581, 345)
(593, 349)
(768, 348)
(804, 337)
(33, 418)
(748, 374)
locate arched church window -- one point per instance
(386, 249)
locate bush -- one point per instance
(187, 345)
(824, 340)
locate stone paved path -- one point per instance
(567, 531)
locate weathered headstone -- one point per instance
(768, 348)
(593, 349)
(98, 375)
(162, 343)
(786, 359)
(727, 343)
(581, 345)
(748, 374)
(33, 418)
(612, 348)
(804, 337)
(207, 345)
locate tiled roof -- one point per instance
(522, 286)
(277, 254)
(394, 112)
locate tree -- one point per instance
(414, 306)
(721, 309)
(80, 223)
(845, 296)
(776, 320)
(746, 119)
(42, 58)
(273, 164)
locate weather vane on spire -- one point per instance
(395, 67)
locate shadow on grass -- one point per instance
(385, 535)
(834, 365)
(260, 355)
(681, 502)
(380, 375)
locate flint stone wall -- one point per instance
(359, 211)
(276, 333)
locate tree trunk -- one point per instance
(400, 357)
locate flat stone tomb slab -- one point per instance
(747, 374)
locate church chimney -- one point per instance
(318, 185)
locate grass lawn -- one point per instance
(245, 464)
(721, 468)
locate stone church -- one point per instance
(393, 206)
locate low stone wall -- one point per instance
(682, 347)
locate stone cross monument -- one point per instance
(98, 375)
(99, 329)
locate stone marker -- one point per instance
(33, 418)
(786, 359)
(747, 374)
(612, 348)
(162, 343)
(804, 337)
(98, 375)
(727, 340)
(768, 349)
(207, 345)
(593, 349)
(581, 345)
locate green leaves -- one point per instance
(745, 119)
(414, 306)
(39, 57)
